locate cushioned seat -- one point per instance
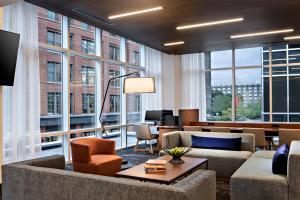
(263, 154)
(255, 178)
(95, 156)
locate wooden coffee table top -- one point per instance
(172, 173)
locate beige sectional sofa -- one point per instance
(47, 179)
(225, 163)
(254, 180)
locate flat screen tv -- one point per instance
(9, 44)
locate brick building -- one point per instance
(82, 75)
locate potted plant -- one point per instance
(177, 153)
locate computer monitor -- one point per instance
(153, 115)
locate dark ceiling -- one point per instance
(156, 28)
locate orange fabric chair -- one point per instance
(95, 156)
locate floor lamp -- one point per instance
(134, 84)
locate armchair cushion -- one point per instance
(233, 144)
(280, 160)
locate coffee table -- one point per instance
(172, 173)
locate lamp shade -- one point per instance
(139, 85)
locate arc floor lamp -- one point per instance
(134, 84)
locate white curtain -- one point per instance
(21, 103)
(153, 66)
(193, 82)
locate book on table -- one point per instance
(154, 166)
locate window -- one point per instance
(71, 72)
(54, 38)
(88, 75)
(71, 104)
(136, 57)
(71, 41)
(54, 72)
(114, 103)
(87, 46)
(54, 103)
(52, 15)
(84, 26)
(88, 103)
(112, 74)
(114, 52)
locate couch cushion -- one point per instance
(263, 154)
(225, 163)
(254, 180)
(280, 159)
(233, 144)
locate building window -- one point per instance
(84, 26)
(87, 46)
(88, 75)
(54, 38)
(71, 41)
(137, 103)
(114, 103)
(54, 103)
(52, 15)
(136, 58)
(71, 72)
(114, 52)
(112, 74)
(88, 103)
(71, 104)
(54, 72)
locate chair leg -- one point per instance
(136, 145)
(151, 149)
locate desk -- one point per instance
(165, 129)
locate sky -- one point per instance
(244, 57)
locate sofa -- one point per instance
(47, 179)
(224, 162)
(254, 180)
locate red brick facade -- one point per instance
(78, 32)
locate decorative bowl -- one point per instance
(177, 153)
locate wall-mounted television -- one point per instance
(9, 44)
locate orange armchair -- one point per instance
(95, 156)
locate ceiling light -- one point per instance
(210, 23)
(297, 37)
(262, 33)
(174, 43)
(135, 12)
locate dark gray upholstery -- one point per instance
(26, 181)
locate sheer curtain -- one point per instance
(21, 103)
(193, 82)
(153, 66)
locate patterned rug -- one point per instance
(135, 158)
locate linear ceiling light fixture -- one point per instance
(210, 23)
(262, 33)
(174, 43)
(135, 12)
(297, 37)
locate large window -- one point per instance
(114, 52)
(88, 103)
(54, 103)
(54, 38)
(114, 103)
(54, 71)
(88, 75)
(87, 46)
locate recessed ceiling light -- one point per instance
(262, 33)
(174, 43)
(297, 37)
(135, 12)
(210, 23)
